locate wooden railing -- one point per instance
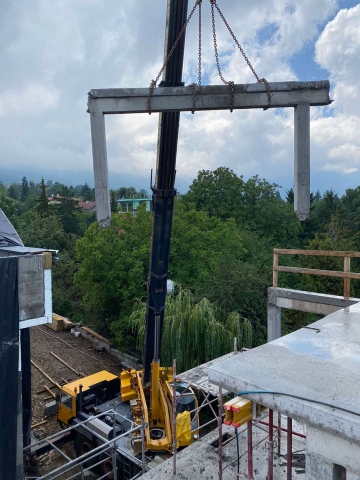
(346, 274)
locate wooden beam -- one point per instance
(319, 253)
(212, 97)
(315, 271)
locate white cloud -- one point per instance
(338, 50)
(33, 99)
(57, 50)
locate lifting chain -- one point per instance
(259, 80)
(154, 82)
(195, 87)
(230, 82)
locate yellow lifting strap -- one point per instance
(183, 427)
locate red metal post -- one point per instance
(220, 433)
(271, 445)
(289, 449)
(250, 451)
(279, 434)
(174, 418)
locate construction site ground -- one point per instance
(82, 357)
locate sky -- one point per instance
(52, 52)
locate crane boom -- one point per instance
(163, 190)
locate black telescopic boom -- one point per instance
(163, 190)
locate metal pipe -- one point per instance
(250, 451)
(289, 449)
(143, 446)
(297, 434)
(220, 433)
(59, 434)
(271, 445)
(86, 457)
(114, 448)
(279, 435)
(174, 417)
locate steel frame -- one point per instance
(109, 446)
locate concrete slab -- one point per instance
(198, 376)
(320, 363)
(201, 460)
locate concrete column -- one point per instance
(317, 468)
(273, 322)
(101, 176)
(302, 161)
(334, 451)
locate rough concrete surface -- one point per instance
(321, 363)
(201, 460)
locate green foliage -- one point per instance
(42, 206)
(24, 189)
(113, 266)
(44, 232)
(193, 332)
(14, 191)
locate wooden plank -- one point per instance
(66, 364)
(35, 425)
(45, 375)
(314, 271)
(49, 391)
(320, 253)
(96, 335)
(347, 280)
(213, 97)
(275, 273)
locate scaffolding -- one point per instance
(105, 454)
(212, 397)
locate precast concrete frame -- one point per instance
(299, 95)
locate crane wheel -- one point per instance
(82, 446)
(107, 468)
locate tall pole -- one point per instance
(164, 190)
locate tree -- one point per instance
(193, 332)
(218, 193)
(87, 193)
(42, 206)
(14, 191)
(113, 201)
(24, 189)
(69, 215)
(44, 232)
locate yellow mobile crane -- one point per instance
(146, 395)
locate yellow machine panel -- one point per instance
(88, 382)
(239, 410)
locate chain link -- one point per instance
(195, 88)
(226, 82)
(154, 82)
(259, 80)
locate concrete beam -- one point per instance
(333, 449)
(100, 165)
(302, 161)
(319, 303)
(273, 323)
(213, 97)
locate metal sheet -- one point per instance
(8, 234)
